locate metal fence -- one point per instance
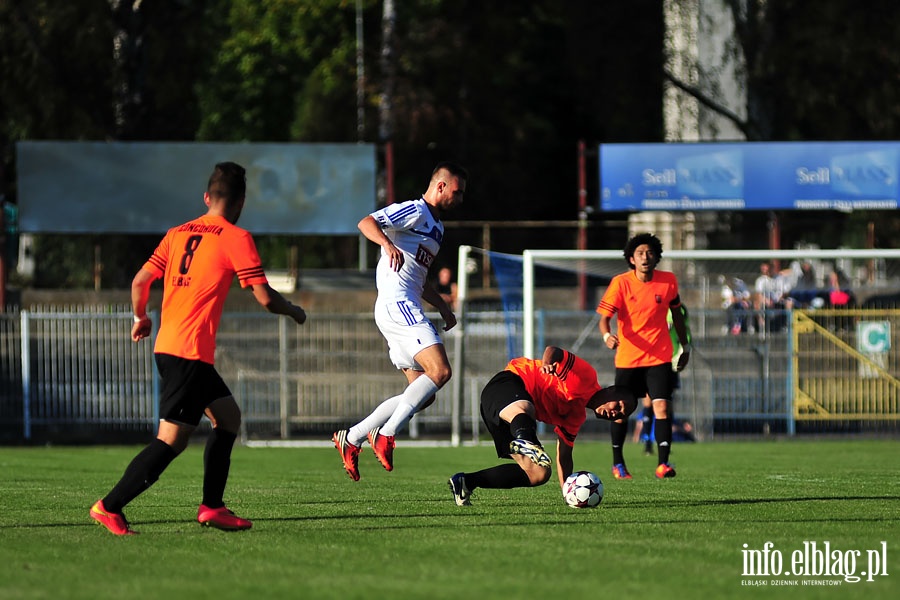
(73, 374)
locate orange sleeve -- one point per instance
(157, 262)
(609, 303)
(245, 259)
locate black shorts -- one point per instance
(503, 389)
(188, 387)
(658, 381)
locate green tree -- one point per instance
(284, 71)
(56, 78)
(507, 88)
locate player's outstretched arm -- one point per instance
(431, 296)
(565, 463)
(275, 303)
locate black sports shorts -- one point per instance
(503, 389)
(658, 380)
(188, 387)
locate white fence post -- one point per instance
(26, 375)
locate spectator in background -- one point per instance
(765, 294)
(840, 296)
(837, 297)
(805, 289)
(682, 431)
(737, 304)
(839, 293)
(446, 287)
(807, 279)
(769, 299)
(784, 284)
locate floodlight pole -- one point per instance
(386, 107)
(360, 76)
(582, 224)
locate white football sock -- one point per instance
(411, 399)
(376, 418)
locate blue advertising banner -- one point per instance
(841, 176)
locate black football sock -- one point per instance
(216, 464)
(501, 477)
(617, 432)
(664, 439)
(647, 427)
(524, 427)
(144, 470)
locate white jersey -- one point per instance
(414, 230)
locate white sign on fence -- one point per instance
(873, 339)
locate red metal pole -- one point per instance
(774, 240)
(582, 223)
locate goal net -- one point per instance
(743, 376)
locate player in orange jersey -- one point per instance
(197, 262)
(640, 300)
(558, 390)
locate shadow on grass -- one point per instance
(516, 510)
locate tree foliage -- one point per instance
(507, 88)
(284, 70)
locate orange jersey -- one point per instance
(641, 309)
(198, 261)
(559, 399)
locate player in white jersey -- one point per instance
(410, 235)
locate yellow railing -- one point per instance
(846, 364)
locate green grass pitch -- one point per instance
(399, 535)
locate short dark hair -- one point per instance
(453, 168)
(229, 182)
(639, 240)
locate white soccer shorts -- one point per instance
(407, 331)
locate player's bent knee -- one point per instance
(230, 422)
(441, 375)
(538, 475)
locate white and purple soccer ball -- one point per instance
(583, 489)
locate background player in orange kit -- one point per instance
(640, 300)
(197, 261)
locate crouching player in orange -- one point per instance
(558, 390)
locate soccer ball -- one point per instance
(583, 489)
